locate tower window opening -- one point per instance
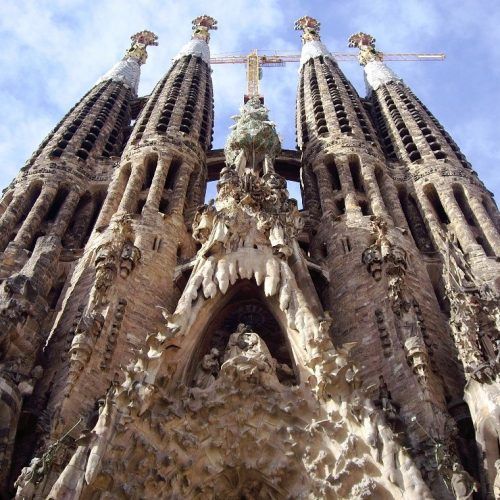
(463, 203)
(486, 246)
(415, 222)
(98, 201)
(150, 168)
(78, 223)
(340, 204)
(433, 197)
(56, 205)
(295, 192)
(334, 174)
(140, 205)
(324, 250)
(355, 169)
(172, 174)
(346, 245)
(365, 207)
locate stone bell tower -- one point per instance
(380, 293)
(47, 215)
(454, 222)
(110, 306)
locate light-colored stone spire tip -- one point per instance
(198, 45)
(201, 27)
(312, 46)
(140, 42)
(376, 72)
(128, 70)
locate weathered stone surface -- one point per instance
(153, 345)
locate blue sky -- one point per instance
(53, 51)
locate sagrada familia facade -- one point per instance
(153, 346)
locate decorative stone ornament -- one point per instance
(140, 41)
(376, 72)
(128, 70)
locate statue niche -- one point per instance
(244, 341)
(246, 357)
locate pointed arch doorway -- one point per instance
(244, 303)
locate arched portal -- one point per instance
(243, 303)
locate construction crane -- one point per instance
(255, 62)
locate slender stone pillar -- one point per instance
(372, 190)
(115, 193)
(351, 202)
(180, 188)
(325, 188)
(131, 195)
(39, 210)
(158, 183)
(457, 219)
(65, 213)
(11, 217)
(484, 220)
(391, 200)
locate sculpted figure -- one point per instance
(27, 480)
(208, 369)
(247, 356)
(462, 484)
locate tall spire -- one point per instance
(376, 72)
(128, 70)
(312, 46)
(198, 45)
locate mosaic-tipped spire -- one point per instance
(198, 45)
(312, 46)
(140, 42)
(128, 70)
(376, 72)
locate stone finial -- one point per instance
(128, 70)
(366, 45)
(198, 45)
(310, 28)
(311, 42)
(376, 72)
(202, 25)
(140, 41)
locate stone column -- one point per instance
(484, 220)
(113, 198)
(351, 202)
(65, 213)
(35, 217)
(76, 234)
(434, 226)
(325, 188)
(391, 198)
(11, 216)
(180, 188)
(457, 219)
(158, 183)
(372, 190)
(311, 195)
(134, 185)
